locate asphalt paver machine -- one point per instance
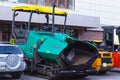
(49, 52)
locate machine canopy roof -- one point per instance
(39, 9)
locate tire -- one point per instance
(16, 75)
(30, 67)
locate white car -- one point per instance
(11, 60)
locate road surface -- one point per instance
(108, 76)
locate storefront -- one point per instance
(76, 24)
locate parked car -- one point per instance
(11, 60)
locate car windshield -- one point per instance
(9, 50)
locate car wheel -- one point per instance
(16, 75)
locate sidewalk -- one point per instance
(115, 70)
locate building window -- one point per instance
(70, 4)
(6, 32)
(42, 2)
(22, 1)
(61, 3)
(32, 2)
(3, 0)
(50, 2)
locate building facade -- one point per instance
(79, 20)
(107, 10)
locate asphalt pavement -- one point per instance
(114, 74)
